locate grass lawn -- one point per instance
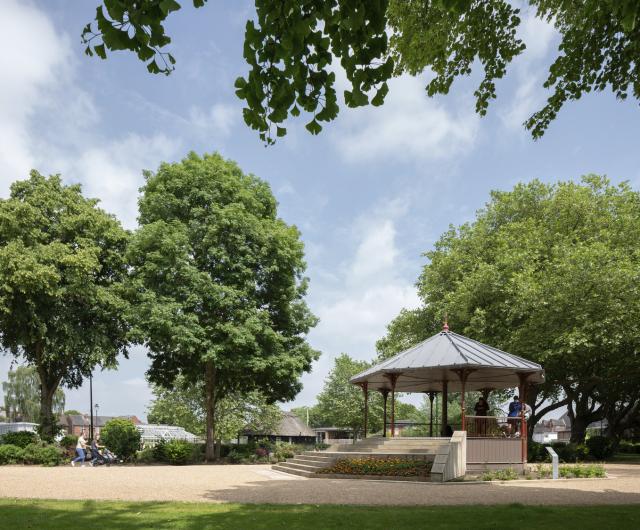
(68, 515)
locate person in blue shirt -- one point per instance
(514, 412)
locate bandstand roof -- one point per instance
(424, 367)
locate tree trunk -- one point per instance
(579, 429)
(210, 405)
(48, 424)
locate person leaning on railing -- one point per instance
(514, 415)
(481, 409)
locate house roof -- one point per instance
(426, 365)
(84, 420)
(290, 425)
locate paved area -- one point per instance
(262, 485)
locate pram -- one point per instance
(105, 457)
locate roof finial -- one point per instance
(445, 326)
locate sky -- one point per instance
(370, 194)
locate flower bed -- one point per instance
(389, 467)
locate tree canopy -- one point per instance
(548, 272)
(184, 405)
(22, 395)
(62, 271)
(220, 285)
(290, 46)
(341, 404)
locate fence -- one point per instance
(494, 426)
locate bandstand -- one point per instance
(448, 362)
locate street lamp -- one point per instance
(91, 405)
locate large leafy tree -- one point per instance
(341, 404)
(220, 282)
(183, 405)
(548, 272)
(22, 395)
(290, 48)
(62, 268)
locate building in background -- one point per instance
(77, 423)
(290, 429)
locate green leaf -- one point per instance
(167, 6)
(100, 51)
(281, 131)
(313, 127)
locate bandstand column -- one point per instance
(392, 379)
(445, 420)
(385, 395)
(523, 421)
(432, 395)
(365, 391)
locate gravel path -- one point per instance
(260, 484)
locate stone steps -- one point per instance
(309, 463)
(292, 471)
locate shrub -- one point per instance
(69, 441)
(20, 438)
(391, 467)
(198, 451)
(235, 457)
(262, 452)
(121, 437)
(283, 450)
(537, 452)
(146, 456)
(580, 471)
(501, 474)
(321, 446)
(10, 454)
(571, 452)
(178, 452)
(47, 455)
(158, 452)
(600, 447)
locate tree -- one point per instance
(62, 272)
(22, 395)
(550, 273)
(219, 279)
(183, 406)
(341, 404)
(290, 47)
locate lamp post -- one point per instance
(91, 405)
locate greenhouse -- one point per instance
(152, 434)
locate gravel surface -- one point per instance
(260, 484)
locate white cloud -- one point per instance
(361, 297)
(409, 126)
(538, 36)
(29, 71)
(112, 171)
(530, 70)
(218, 120)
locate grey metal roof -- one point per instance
(425, 366)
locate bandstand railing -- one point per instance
(499, 439)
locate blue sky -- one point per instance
(370, 194)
